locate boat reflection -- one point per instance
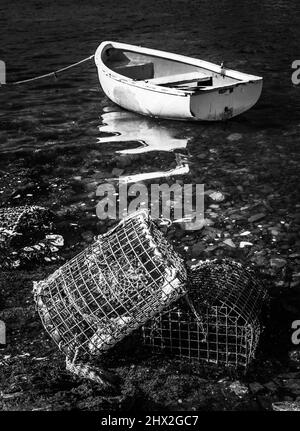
(151, 135)
(127, 126)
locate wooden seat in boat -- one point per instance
(183, 80)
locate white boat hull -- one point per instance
(212, 104)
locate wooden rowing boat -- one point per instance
(166, 85)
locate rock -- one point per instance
(123, 161)
(56, 240)
(256, 387)
(116, 172)
(88, 236)
(229, 242)
(285, 406)
(196, 224)
(271, 386)
(91, 187)
(245, 233)
(294, 255)
(217, 196)
(239, 388)
(198, 249)
(244, 244)
(294, 356)
(234, 137)
(295, 375)
(11, 396)
(256, 217)
(278, 262)
(292, 386)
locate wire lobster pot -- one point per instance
(113, 287)
(220, 321)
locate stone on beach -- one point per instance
(234, 137)
(229, 242)
(256, 217)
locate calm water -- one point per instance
(58, 139)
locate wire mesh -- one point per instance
(222, 327)
(111, 288)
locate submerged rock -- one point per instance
(278, 262)
(256, 387)
(239, 388)
(256, 217)
(234, 137)
(286, 406)
(26, 237)
(217, 196)
(229, 242)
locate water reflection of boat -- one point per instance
(126, 126)
(123, 126)
(182, 168)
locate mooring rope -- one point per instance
(54, 74)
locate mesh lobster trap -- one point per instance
(19, 225)
(219, 323)
(113, 287)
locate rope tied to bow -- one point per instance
(47, 75)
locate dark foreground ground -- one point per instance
(33, 371)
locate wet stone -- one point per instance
(271, 386)
(198, 249)
(239, 388)
(256, 387)
(88, 236)
(256, 217)
(278, 262)
(234, 137)
(229, 242)
(292, 386)
(117, 172)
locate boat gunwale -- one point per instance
(143, 84)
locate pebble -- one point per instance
(234, 137)
(294, 255)
(277, 262)
(217, 196)
(229, 242)
(198, 249)
(117, 172)
(56, 240)
(256, 217)
(239, 388)
(271, 386)
(244, 244)
(245, 233)
(256, 387)
(196, 224)
(294, 356)
(285, 406)
(88, 236)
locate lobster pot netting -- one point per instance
(219, 322)
(113, 287)
(18, 225)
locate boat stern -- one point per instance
(222, 103)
